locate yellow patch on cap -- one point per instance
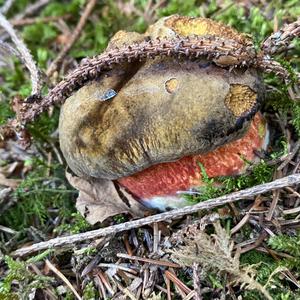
(171, 85)
(186, 26)
(240, 99)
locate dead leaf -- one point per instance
(12, 183)
(98, 199)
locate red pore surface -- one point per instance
(168, 178)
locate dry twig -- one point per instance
(76, 33)
(63, 278)
(29, 21)
(6, 6)
(176, 213)
(32, 9)
(149, 260)
(24, 54)
(196, 282)
(171, 276)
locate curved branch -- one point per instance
(25, 55)
(224, 52)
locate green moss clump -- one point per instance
(267, 268)
(20, 282)
(289, 245)
(36, 195)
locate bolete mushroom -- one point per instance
(149, 124)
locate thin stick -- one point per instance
(190, 295)
(78, 29)
(196, 282)
(63, 278)
(116, 266)
(29, 21)
(170, 275)
(6, 6)
(274, 203)
(25, 55)
(149, 260)
(155, 238)
(8, 48)
(240, 224)
(176, 213)
(32, 9)
(289, 157)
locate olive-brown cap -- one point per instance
(163, 109)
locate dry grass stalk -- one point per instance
(63, 278)
(73, 38)
(24, 54)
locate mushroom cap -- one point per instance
(164, 109)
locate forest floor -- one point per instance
(247, 249)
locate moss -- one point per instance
(289, 245)
(76, 224)
(266, 267)
(216, 187)
(90, 292)
(182, 7)
(296, 117)
(36, 195)
(19, 282)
